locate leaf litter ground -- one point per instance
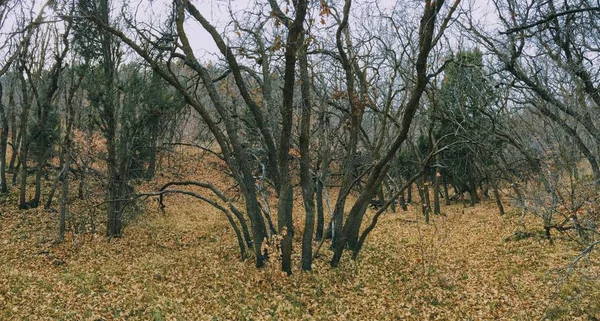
(183, 264)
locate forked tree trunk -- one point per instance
(379, 170)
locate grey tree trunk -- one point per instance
(24, 142)
(306, 181)
(436, 186)
(497, 197)
(350, 229)
(320, 210)
(65, 193)
(446, 196)
(14, 138)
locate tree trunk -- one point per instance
(473, 190)
(259, 230)
(113, 195)
(497, 197)
(306, 182)
(45, 106)
(24, 143)
(59, 178)
(65, 190)
(371, 226)
(3, 145)
(243, 224)
(320, 208)
(35, 201)
(436, 186)
(14, 138)
(355, 119)
(16, 142)
(402, 202)
(285, 204)
(379, 170)
(390, 192)
(446, 196)
(424, 194)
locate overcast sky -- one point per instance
(216, 11)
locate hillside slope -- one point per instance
(184, 265)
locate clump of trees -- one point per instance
(336, 104)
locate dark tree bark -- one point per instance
(306, 181)
(320, 208)
(65, 180)
(436, 186)
(286, 198)
(236, 158)
(45, 105)
(402, 202)
(115, 179)
(474, 199)
(15, 142)
(349, 233)
(356, 115)
(3, 144)
(24, 137)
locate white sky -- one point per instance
(217, 12)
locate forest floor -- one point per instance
(184, 264)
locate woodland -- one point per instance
(299, 159)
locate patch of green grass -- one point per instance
(157, 315)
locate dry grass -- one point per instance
(184, 265)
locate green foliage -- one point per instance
(88, 39)
(149, 106)
(466, 116)
(44, 136)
